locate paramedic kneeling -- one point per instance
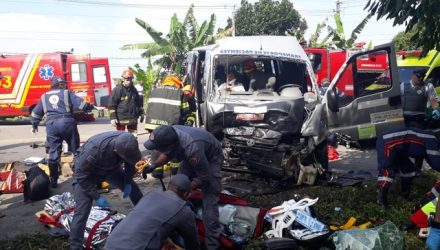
(157, 216)
(201, 159)
(108, 156)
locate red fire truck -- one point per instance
(326, 63)
(25, 77)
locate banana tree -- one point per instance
(181, 38)
(337, 35)
(313, 40)
(146, 77)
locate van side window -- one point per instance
(344, 86)
(372, 74)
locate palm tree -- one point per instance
(338, 36)
(181, 38)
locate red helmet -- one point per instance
(127, 73)
(249, 66)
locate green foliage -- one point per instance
(181, 38)
(356, 201)
(402, 41)
(423, 14)
(269, 17)
(35, 242)
(313, 41)
(146, 77)
(337, 35)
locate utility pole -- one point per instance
(338, 7)
(233, 21)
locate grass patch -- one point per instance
(357, 201)
(35, 242)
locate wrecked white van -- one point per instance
(258, 95)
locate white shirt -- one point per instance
(231, 86)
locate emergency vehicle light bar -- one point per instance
(409, 52)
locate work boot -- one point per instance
(53, 182)
(405, 186)
(54, 173)
(382, 197)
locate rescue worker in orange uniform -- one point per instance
(125, 104)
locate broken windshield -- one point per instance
(243, 77)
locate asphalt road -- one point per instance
(15, 141)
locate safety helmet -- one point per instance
(188, 90)
(57, 82)
(127, 73)
(172, 81)
(249, 66)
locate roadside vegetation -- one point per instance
(355, 201)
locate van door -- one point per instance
(194, 73)
(101, 81)
(374, 105)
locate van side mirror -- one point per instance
(332, 100)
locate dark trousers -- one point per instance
(416, 121)
(57, 131)
(83, 205)
(210, 200)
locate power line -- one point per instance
(130, 5)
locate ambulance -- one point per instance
(408, 61)
(25, 77)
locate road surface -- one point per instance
(15, 143)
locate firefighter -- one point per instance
(110, 157)
(393, 151)
(157, 216)
(201, 157)
(125, 104)
(58, 105)
(170, 104)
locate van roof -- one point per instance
(273, 46)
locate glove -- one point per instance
(141, 119)
(127, 190)
(433, 241)
(34, 131)
(436, 114)
(102, 202)
(114, 122)
(148, 169)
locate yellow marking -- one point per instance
(5, 68)
(6, 83)
(29, 81)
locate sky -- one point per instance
(102, 27)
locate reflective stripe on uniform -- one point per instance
(43, 103)
(66, 101)
(434, 192)
(433, 152)
(151, 126)
(383, 178)
(81, 106)
(35, 115)
(408, 132)
(410, 174)
(164, 101)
